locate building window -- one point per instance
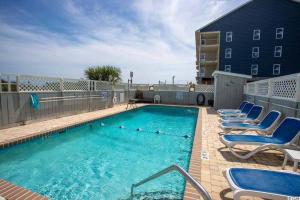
(254, 69)
(228, 53)
(227, 68)
(255, 52)
(278, 51)
(276, 69)
(279, 33)
(228, 36)
(256, 34)
(202, 72)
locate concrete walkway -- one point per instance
(218, 158)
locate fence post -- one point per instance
(0, 82)
(8, 84)
(298, 88)
(18, 83)
(245, 89)
(270, 88)
(61, 84)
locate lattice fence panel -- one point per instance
(38, 84)
(262, 88)
(205, 88)
(103, 85)
(284, 88)
(76, 85)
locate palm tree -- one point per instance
(103, 73)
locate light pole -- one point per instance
(130, 80)
(173, 79)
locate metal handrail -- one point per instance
(186, 175)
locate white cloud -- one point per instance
(156, 47)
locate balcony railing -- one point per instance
(209, 41)
(208, 59)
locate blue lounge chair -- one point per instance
(247, 107)
(223, 111)
(253, 116)
(263, 183)
(265, 126)
(284, 136)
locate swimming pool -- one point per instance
(101, 159)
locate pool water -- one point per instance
(100, 160)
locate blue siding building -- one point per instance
(260, 38)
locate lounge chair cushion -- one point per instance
(275, 182)
(239, 125)
(253, 139)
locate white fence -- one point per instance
(173, 87)
(25, 83)
(283, 87)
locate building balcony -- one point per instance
(209, 42)
(209, 61)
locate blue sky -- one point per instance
(60, 38)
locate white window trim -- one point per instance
(276, 51)
(254, 35)
(252, 66)
(255, 52)
(279, 33)
(229, 36)
(225, 69)
(276, 65)
(228, 54)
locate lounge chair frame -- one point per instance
(245, 120)
(261, 146)
(266, 131)
(233, 110)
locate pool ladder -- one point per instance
(181, 171)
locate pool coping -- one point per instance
(52, 130)
(195, 158)
(46, 132)
(11, 191)
(190, 193)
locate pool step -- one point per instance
(10, 191)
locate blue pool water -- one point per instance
(101, 162)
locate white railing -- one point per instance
(283, 87)
(26, 83)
